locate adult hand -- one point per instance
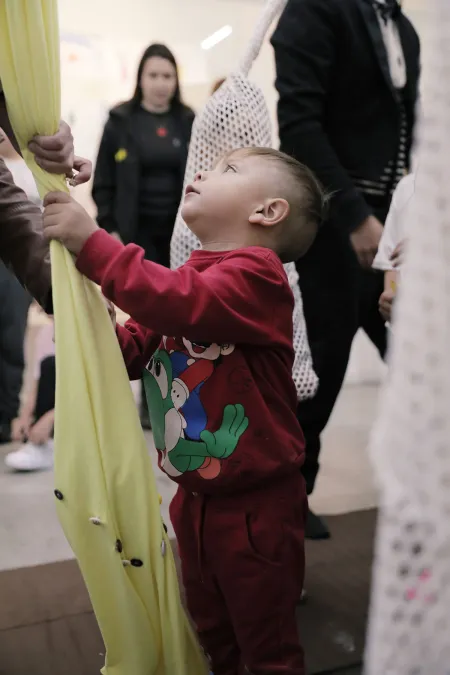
(83, 167)
(386, 303)
(67, 221)
(365, 240)
(55, 154)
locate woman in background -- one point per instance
(140, 168)
(139, 175)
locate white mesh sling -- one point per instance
(237, 116)
(409, 630)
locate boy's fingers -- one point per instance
(52, 232)
(53, 211)
(52, 220)
(56, 198)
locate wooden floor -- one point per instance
(47, 626)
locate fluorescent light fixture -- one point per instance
(217, 37)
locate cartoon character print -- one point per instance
(167, 395)
(193, 363)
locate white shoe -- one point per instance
(31, 457)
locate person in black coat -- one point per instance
(141, 161)
(347, 78)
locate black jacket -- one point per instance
(116, 178)
(338, 111)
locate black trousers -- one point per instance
(339, 297)
(153, 235)
(14, 305)
(45, 399)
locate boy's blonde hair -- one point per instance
(306, 197)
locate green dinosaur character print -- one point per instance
(180, 454)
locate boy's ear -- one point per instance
(271, 213)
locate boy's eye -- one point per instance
(230, 168)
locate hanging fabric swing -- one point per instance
(105, 492)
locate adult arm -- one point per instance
(23, 248)
(305, 54)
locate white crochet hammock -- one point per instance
(236, 116)
(409, 629)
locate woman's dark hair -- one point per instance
(162, 52)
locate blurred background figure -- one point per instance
(33, 427)
(142, 157)
(14, 305)
(347, 77)
(141, 161)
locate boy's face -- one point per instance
(228, 194)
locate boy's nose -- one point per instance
(198, 176)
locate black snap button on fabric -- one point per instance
(119, 547)
(136, 563)
(59, 495)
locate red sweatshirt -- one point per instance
(219, 387)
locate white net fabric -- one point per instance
(236, 116)
(409, 628)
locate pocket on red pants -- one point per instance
(274, 533)
(265, 538)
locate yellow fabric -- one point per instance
(102, 468)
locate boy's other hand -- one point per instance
(365, 240)
(67, 221)
(386, 303)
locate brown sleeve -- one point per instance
(23, 248)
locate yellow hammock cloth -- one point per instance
(105, 493)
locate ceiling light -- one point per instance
(217, 37)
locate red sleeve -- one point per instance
(138, 345)
(235, 300)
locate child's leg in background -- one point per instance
(38, 455)
(243, 567)
(14, 304)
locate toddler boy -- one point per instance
(214, 339)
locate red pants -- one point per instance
(242, 559)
